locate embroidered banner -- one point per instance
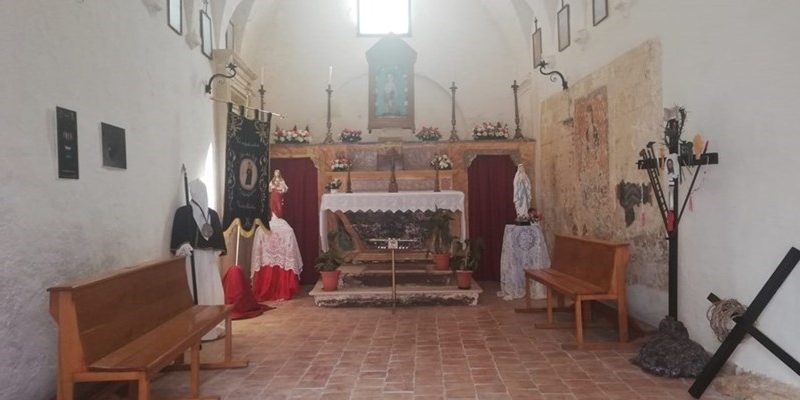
(246, 172)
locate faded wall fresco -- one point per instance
(590, 186)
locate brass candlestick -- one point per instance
(517, 132)
(349, 187)
(436, 187)
(328, 135)
(453, 133)
(262, 92)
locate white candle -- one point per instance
(262, 75)
(330, 74)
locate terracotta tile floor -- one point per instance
(300, 351)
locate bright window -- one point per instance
(382, 17)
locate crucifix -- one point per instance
(393, 158)
(682, 154)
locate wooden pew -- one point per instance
(129, 324)
(584, 269)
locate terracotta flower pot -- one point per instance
(464, 279)
(330, 280)
(442, 261)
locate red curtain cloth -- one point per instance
(301, 208)
(238, 292)
(272, 282)
(491, 207)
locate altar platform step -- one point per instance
(417, 284)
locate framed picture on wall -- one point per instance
(114, 155)
(175, 15)
(536, 39)
(206, 43)
(599, 11)
(391, 84)
(563, 28)
(67, 141)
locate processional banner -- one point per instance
(246, 172)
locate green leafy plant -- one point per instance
(438, 228)
(332, 258)
(467, 255)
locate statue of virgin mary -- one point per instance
(522, 192)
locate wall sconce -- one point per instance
(552, 78)
(231, 66)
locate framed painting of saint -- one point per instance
(391, 84)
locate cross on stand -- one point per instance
(394, 156)
(668, 206)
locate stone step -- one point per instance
(406, 295)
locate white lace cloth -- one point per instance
(276, 247)
(400, 201)
(523, 248)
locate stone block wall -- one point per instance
(591, 137)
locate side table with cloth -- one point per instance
(523, 248)
(276, 262)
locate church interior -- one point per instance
(627, 118)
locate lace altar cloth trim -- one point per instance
(523, 248)
(276, 247)
(400, 201)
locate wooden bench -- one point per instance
(584, 270)
(130, 324)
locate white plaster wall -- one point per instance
(113, 62)
(732, 64)
(296, 42)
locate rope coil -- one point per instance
(720, 315)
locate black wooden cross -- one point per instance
(744, 325)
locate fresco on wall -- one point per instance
(590, 138)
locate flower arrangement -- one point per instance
(532, 217)
(293, 135)
(441, 161)
(340, 164)
(485, 130)
(334, 184)
(429, 134)
(350, 136)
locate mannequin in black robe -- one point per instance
(189, 229)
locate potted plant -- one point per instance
(438, 228)
(328, 262)
(466, 259)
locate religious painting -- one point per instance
(599, 11)
(113, 146)
(67, 141)
(206, 43)
(391, 96)
(591, 147)
(563, 28)
(391, 84)
(175, 15)
(536, 39)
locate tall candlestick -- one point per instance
(453, 133)
(329, 135)
(517, 131)
(330, 74)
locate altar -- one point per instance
(333, 207)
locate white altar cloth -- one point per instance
(278, 247)
(523, 248)
(400, 201)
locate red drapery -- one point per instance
(491, 207)
(301, 208)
